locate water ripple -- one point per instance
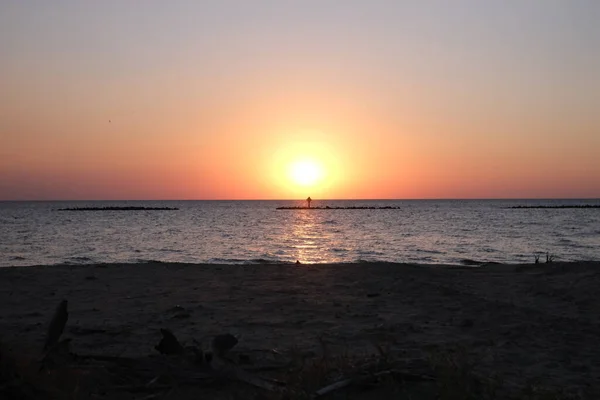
(242, 232)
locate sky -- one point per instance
(276, 99)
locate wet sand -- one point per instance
(525, 323)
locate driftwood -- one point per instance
(57, 325)
(189, 365)
(57, 355)
(362, 379)
(55, 352)
(334, 386)
(228, 369)
(219, 365)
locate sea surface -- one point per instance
(242, 232)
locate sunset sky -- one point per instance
(279, 99)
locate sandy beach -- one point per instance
(527, 325)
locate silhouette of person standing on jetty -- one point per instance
(308, 200)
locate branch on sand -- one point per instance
(57, 325)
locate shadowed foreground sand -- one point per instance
(526, 325)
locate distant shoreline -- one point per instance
(560, 206)
(129, 208)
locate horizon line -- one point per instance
(328, 199)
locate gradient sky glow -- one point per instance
(214, 99)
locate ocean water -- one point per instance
(238, 232)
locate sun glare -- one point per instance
(304, 168)
(306, 172)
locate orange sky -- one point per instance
(453, 103)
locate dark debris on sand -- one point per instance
(186, 372)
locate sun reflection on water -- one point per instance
(310, 238)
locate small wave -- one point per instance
(429, 251)
(469, 262)
(488, 250)
(338, 250)
(329, 222)
(78, 260)
(370, 253)
(573, 245)
(147, 261)
(263, 261)
(239, 261)
(226, 261)
(171, 251)
(371, 261)
(18, 258)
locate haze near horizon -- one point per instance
(277, 100)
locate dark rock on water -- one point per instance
(128, 208)
(559, 206)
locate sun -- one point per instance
(298, 169)
(305, 172)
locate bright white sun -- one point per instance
(306, 172)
